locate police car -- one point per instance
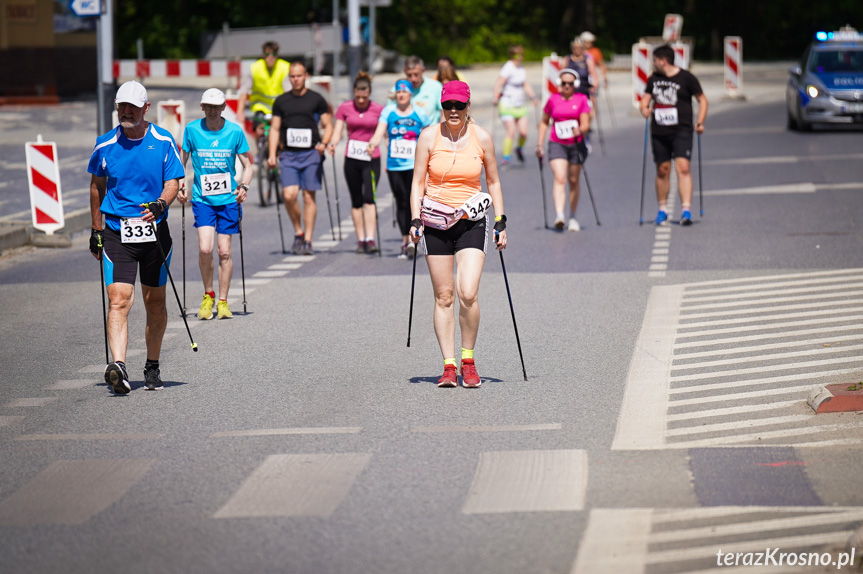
(827, 87)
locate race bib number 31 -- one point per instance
(359, 150)
(215, 183)
(403, 149)
(136, 230)
(299, 137)
(565, 130)
(665, 116)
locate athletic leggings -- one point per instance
(400, 184)
(358, 174)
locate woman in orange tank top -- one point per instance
(450, 210)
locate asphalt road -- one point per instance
(664, 418)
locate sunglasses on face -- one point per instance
(268, 54)
(450, 104)
(568, 84)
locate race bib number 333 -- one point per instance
(136, 230)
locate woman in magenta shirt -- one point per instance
(361, 116)
(569, 113)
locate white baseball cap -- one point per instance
(213, 96)
(132, 93)
(587, 37)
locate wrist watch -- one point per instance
(244, 186)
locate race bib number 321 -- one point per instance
(136, 230)
(215, 183)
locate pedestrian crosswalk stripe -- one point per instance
(528, 481)
(736, 425)
(755, 382)
(787, 287)
(8, 420)
(756, 282)
(287, 431)
(31, 402)
(762, 322)
(298, 258)
(771, 301)
(772, 356)
(72, 491)
(282, 266)
(761, 407)
(280, 273)
(786, 333)
(295, 485)
(97, 436)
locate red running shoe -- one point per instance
(469, 375)
(449, 378)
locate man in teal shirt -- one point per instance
(427, 91)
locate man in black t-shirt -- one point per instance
(294, 131)
(671, 90)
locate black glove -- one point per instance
(417, 223)
(96, 243)
(500, 225)
(156, 207)
(581, 150)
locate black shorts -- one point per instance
(463, 235)
(122, 260)
(677, 144)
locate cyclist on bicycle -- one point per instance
(267, 81)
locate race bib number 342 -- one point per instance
(136, 230)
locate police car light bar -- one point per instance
(844, 34)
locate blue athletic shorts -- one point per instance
(302, 168)
(225, 218)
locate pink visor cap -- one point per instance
(455, 90)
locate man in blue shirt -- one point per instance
(135, 171)
(214, 145)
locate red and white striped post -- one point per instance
(734, 67)
(642, 67)
(551, 66)
(171, 115)
(43, 175)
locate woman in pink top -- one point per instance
(569, 113)
(450, 210)
(361, 116)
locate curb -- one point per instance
(835, 399)
(17, 235)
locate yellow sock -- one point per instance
(449, 362)
(466, 353)
(521, 140)
(507, 147)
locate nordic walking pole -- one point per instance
(377, 222)
(599, 130)
(643, 171)
(174, 287)
(542, 180)
(700, 186)
(279, 213)
(327, 193)
(509, 296)
(338, 212)
(184, 257)
(589, 192)
(102, 288)
(610, 108)
(411, 313)
(242, 262)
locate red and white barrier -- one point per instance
(181, 68)
(171, 115)
(734, 65)
(43, 175)
(551, 67)
(642, 65)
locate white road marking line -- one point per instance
(659, 250)
(842, 315)
(257, 281)
(770, 357)
(754, 130)
(325, 243)
(282, 266)
(72, 491)
(765, 190)
(786, 544)
(661, 243)
(615, 540)
(766, 280)
(528, 481)
(261, 274)
(774, 311)
(740, 396)
(756, 300)
(784, 159)
(762, 381)
(789, 334)
(772, 524)
(31, 402)
(659, 259)
(734, 425)
(669, 515)
(298, 258)
(839, 186)
(9, 420)
(100, 436)
(755, 295)
(71, 384)
(287, 431)
(766, 369)
(696, 294)
(295, 485)
(732, 410)
(641, 422)
(501, 428)
(760, 437)
(826, 344)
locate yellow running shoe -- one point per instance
(223, 310)
(206, 311)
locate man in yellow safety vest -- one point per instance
(267, 81)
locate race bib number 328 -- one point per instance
(136, 230)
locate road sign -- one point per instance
(43, 175)
(86, 7)
(672, 27)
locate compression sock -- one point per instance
(521, 140)
(212, 294)
(466, 353)
(507, 147)
(151, 364)
(449, 362)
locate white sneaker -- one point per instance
(559, 222)
(573, 225)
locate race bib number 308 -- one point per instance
(359, 150)
(215, 183)
(299, 137)
(136, 230)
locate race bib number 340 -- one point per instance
(215, 183)
(136, 230)
(299, 137)
(665, 116)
